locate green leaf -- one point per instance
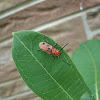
(50, 78)
(87, 60)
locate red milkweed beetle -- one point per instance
(46, 47)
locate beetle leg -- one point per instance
(39, 50)
(55, 44)
(46, 39)
(53, 56)
(64, 61)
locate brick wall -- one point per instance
(65, 21)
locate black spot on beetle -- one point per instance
(49, 48)
(43, 43)
(47, 45)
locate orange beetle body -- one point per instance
(49, 49)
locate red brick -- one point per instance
(39, 14)
(7, 4)
(93, 18)
(8, 70)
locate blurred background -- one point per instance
(65, 21)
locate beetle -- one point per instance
(46, 47)
(50, 49)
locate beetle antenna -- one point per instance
(63, 60)
(63, 47)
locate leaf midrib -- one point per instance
(96, 86)
(43, 67)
